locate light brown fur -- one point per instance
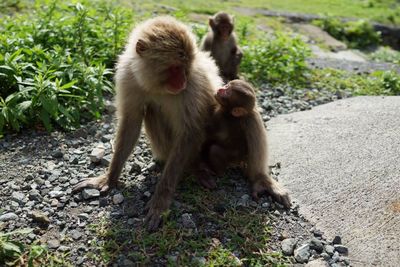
(174, 123)
(223, 49)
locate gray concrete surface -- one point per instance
(341, 162)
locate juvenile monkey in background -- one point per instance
(221, 42)
(161, 79)
(236, 135)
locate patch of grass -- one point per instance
(11, 6)
(386, 11)
(385, 54)
(376, 83)
(356, 34)
(15, 253)
(230, 237)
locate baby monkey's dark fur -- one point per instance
(236, 136)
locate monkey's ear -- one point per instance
(141, 47)
(239, 112)
(211, 22)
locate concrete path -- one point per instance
(341, 162)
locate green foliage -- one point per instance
(376, 83)
(356, 34)
(16, 253)
(55, 63)
(386, 54)
(276, 58)
(11, 250)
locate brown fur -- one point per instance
(221, 41)
(240, 139)
(174, 122)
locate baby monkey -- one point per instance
(236, 136)
(221, 41)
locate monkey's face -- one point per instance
(236, 93)
(225, 30)
(223, 95)
(222, 25)
(169, 53)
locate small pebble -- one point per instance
(118, 198)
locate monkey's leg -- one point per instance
(127, 134)
(265, 183)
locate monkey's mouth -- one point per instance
(176, 79)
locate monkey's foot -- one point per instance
(156, 208)
(274, 189)
(101, 183)
(207, 182)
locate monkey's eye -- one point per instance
(182, 55)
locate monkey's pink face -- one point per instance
(176, 79)
(224, 94)
(225, 30)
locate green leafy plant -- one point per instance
(15, 253)
(55, 63)
(276, 58)
(11, 250)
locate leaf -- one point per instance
(49, 105)
(6, 67)
(25, 105)
(1, 125)
(44, 116)
(68, 85)
(9, 99)
(23, 231)
(14, 120)
(5, 113)
(15, 55)
(11, 247)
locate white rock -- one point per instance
(118, 198)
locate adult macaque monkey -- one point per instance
(221, 42)
(163, 79)
(236, 135)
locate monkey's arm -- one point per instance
(130, 109)
(206, 43)
(239, 53)
(257, 162)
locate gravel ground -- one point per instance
(38, 170)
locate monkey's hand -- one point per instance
(207, 181)
(156, 207)
(274, 189)
(204, 177)
(102, 183)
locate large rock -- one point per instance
(319, 35)
(341, 163)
